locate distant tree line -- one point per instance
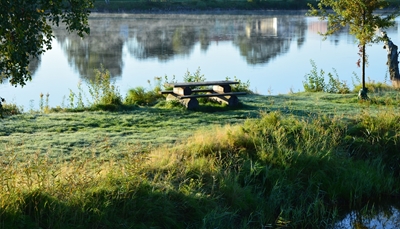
(125, 5)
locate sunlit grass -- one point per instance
(298, 160)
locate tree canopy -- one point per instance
(360, 16)
(26, 31)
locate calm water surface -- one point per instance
(271, 50)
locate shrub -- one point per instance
(241, 86)
(102, 90)
(8, 109)
(140, 96)
(196, 77)
(315, 82)
(374, 87)
(335, 85)
(104, 94)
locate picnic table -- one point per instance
(187, 92)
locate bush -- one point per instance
(373, 86)
(196, 77)
(245, 87)
(9, 109)
(104, 94)
(315, 82)
(140, 96)
(102, 90)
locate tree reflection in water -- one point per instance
(387, 217)
(259, 38)
(103, 46)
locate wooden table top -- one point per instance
(205, 83)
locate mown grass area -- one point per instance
(298, 160)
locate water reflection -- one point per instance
(103, 46)
(259, 38)
(255, 47)
(265, 39)
(34, 64)
(382, 218)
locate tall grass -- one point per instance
(269, 172)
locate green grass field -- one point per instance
(66, 133)
(299, 160)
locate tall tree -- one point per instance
(26, 31)
(362, 20)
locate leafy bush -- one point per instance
(335, 85)
(7, 109)
(241, 86)
(104, 94)
(102, 90)
(315, 82)
(196, 77)
(140, 96)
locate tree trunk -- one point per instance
(392, 61)
(363, 67)
(362, 94)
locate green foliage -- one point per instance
(361, 18)
(275, 170)
(335, 85)
(315, 82)
(143, 97)
(26, 31)
(171, 104)
(167, 82)
(104, 94)
(374, 87)
(241, 86)
(358, 15)
(195, 77)
(8, 109)
(376, 137)
(102, 90)
(140, 96)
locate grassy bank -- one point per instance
(299, 160)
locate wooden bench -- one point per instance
(186, 93)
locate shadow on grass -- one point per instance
(138, 207)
